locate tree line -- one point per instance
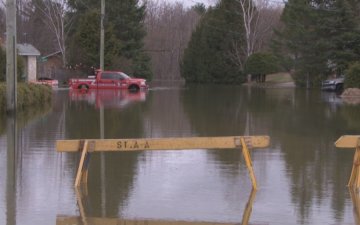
(319, 38)
(224, 43)
(227, 35)
(310, 39)
(145, 39)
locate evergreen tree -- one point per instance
(319, 38)
(340, 29)
(124, 20)
(260, 64)
(300, 41)
(86, 43)
(352, 78)
(20, 66)
(206, 59)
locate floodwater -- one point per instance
(301, 177)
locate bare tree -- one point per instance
(250, 21)
(259, 17)
(169, 28)
(54, 12)
(269, 18)
(2, 23)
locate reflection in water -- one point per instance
(83, 219)
(63, 220)
(248, 208)
(120, 117)
(305, 132)
(11, 169)
(301, 177)
(108, 98)
(25, 116)
(299, 124)
(355, 197)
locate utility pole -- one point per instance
(102, 35)
(11, 64)
(102, 126)
(102, 43)
(11, 73)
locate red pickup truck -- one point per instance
(109, 80)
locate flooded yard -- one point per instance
(301, 177)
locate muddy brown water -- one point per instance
(301, 177)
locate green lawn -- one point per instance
(279, 78)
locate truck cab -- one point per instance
(109, 80)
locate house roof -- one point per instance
(52, 54)
(27, 50)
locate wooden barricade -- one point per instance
(121, 145)
(352, 141)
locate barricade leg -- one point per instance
(80, 200)
(79, 174)
(84, 177)
(354, 180)
(248, 208)
(248, 162)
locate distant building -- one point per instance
(50, 65)
(29, 54)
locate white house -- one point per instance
(29, 54)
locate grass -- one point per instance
(279, 78)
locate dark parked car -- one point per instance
(336, 84)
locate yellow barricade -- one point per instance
(352, 141)
(146, 144)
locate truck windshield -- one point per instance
(114, 76)
(125, 75)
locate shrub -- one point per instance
(352, 78)
(20, 66)
(261, 63)
(28, 95)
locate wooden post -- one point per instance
(248, 162)
(11, 54)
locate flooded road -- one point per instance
(301, 177)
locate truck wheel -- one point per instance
(338, 87)
(134, 88)
(83, 87)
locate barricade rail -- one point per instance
(126, 145)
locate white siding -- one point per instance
(31, 66)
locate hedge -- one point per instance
(28, 95)
(352, 76)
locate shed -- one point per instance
(50, 65)
(29, 54)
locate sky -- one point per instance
(189, 3)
